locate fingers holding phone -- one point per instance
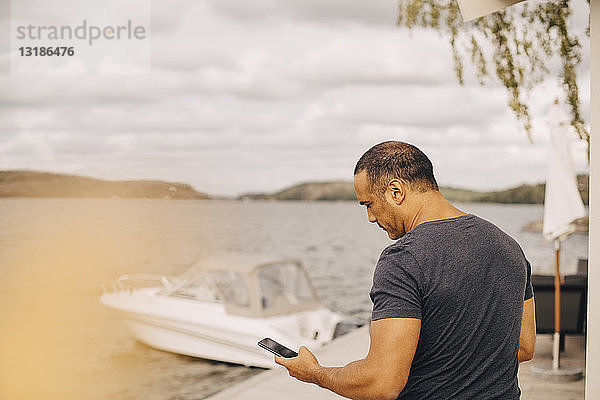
(305, 367)
(302, 365)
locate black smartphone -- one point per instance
(277, 348)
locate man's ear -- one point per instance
(397, 190)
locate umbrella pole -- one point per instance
(556, 344)
(553, 370)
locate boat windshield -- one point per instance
(194, 288)
(284, 286)
(232, 286)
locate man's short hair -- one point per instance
(397, 160)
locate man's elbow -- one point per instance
(387, 390)
(387, 394)
(528, 356)
(526, 353)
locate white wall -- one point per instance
(592, 386)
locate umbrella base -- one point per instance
(564, 373)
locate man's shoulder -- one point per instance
(449, 230)
(397, 254)
(441, 238)
(399, 248)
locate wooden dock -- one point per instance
(275, 384)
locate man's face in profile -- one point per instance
(379, 209)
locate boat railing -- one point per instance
(136, 281)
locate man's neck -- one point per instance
(433, 206)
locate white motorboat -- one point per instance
(223, 306)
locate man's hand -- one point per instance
(382, 374)
(305, 367)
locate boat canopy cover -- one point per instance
(256, 286)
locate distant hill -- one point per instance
(310, 191)
(43, 184)
(460, 195)
(340, 190)
(531, 194)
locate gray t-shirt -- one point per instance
(466, 281)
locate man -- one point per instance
(453, 309)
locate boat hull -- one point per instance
(205, 330)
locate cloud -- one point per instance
(414, 105)
(166, 16)
(381, 12)
(256, 96)
(371, 57)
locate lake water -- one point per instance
(57, 342)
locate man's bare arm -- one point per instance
(382, 374)
(527, 338)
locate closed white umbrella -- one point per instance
(562, 204)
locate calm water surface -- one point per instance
(57, 342)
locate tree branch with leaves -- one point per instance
(522, 39)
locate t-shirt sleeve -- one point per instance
(395, 292)
(528, 286)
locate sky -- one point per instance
(257, 96)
